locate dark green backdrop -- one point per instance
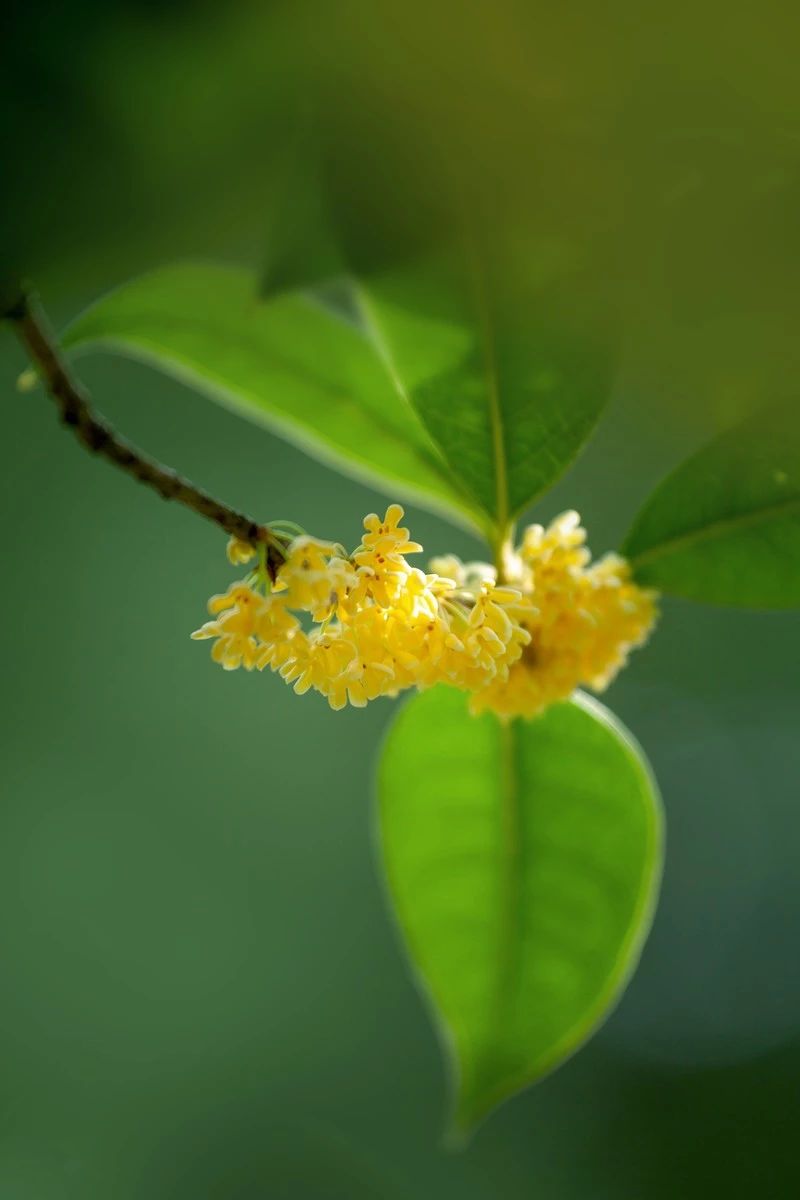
(202, 991)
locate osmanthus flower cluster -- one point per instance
(355, 627)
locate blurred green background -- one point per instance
(203, 993)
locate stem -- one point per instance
(503, 548)
(97, 436)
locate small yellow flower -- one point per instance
(417, 597)
(583, 622)
(492, 638)
(314, 577)
(451, 567)
(279, 633)
(239, 552)
(468, 575)
(385, 537)
(321, 657)
(238, 595)
(381, 583)
(382, 568)
(238, 613)
(378, 625)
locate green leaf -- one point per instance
(297, 364)
(508, 384)
(523, 862)
(459, 386)
(498, 342)
(725, 526)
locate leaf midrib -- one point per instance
(153, 345)
(384, 352)
(496, 423)
(498, 431)
(717, 528)
(511, 878)
(153, 351)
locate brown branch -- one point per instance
(93, 432)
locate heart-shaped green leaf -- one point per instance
(523, 862)
(297, 364)
(725, 526)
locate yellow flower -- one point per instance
(320, 657)
(463, 575)
(344, 663)
(451, 567)
(238, 595)
(363, 670)
(561, 546)
(382, 568)
(314, 576)
(279, 633)
(381, 583)
(385, 537)
(492, 638)
(417, 598)
(378, 625)
(585, 621)
(235, 627)
(239, 552)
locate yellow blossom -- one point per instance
(279, 633)
(314, 576)
(382, 568)
(239, 552)
(492, 638)
(379, 626)
(319, 658)
(463, 575)
(385, 537)
(235, 628)
(586, 621)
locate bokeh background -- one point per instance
(203, 995)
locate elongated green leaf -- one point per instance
(442, 380)
(295, 364)
(507, 385)
(523, 862)
(725, 526)
(498, 342)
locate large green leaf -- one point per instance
(443, 380)
(523, 862)
(498, 341)
(295, 363)
(508, 384)
(725, 526)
